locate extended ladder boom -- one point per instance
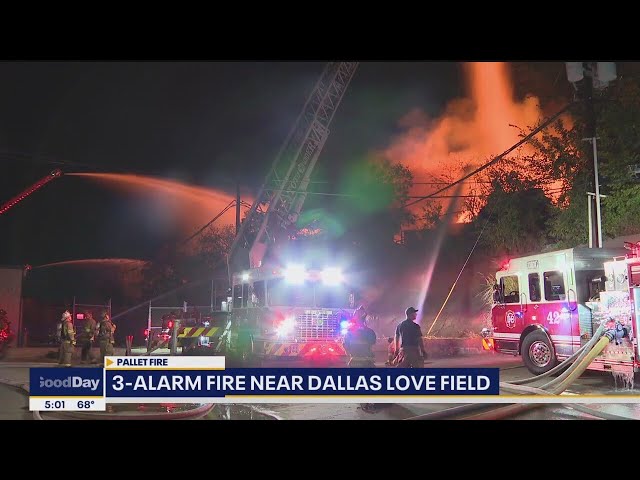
(285, 188)
(24, 194)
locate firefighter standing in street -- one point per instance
(358, 343)
(408, 342)
(88, 335)
(359, 340)
(67, 339)
(105, 336)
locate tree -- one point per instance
(618, 129)
(514, 219)
(214, 246)
(175, 268)
(376, 208)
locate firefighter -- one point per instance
(67, 339)
(408, 342)
(87, 336)
(105, 336)
(359, 340)
(358, 343)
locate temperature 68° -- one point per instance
(85, 404)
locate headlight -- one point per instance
(295, 274)
(286, 327)
(332, 276)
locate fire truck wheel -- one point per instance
(538, 353)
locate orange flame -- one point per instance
(470, 131)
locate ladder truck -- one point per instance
(278, 308)
(288, 307)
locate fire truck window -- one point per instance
(534, 287)
(237, 296)
(332, 297)
(510, 289)
(284, 294)
(554, 286)
(257, 297)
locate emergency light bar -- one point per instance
(332, 276)
(295, 274)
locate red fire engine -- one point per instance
(547, 306)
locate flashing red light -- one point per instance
(505, 265)
(146, 332)
(170, 324)
(80, 316)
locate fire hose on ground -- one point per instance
(575, 365)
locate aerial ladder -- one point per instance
(258, 324)
(25, 193)
(270, 220)
(285, 187)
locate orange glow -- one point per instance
(99, 262)
(188, 206)
(471, 131)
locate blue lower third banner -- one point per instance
(292, 385)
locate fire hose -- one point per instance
(575, 365)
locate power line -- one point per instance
(449, 196)
(231, 204)
(43, 159)
(501, 156)
(447, 183)
(481, 195)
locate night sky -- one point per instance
(202, 123)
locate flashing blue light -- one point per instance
(343, 331)
(344, 324)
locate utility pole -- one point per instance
(591, 137)
(586, 77)
(237, 207)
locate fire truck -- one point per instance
(276, 309)
(293, 311)
(282, 309)
(547, 306)
(192, 326)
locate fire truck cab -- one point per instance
(292, 311)
(546, 306)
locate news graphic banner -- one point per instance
(206, 380)
(70, 389)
